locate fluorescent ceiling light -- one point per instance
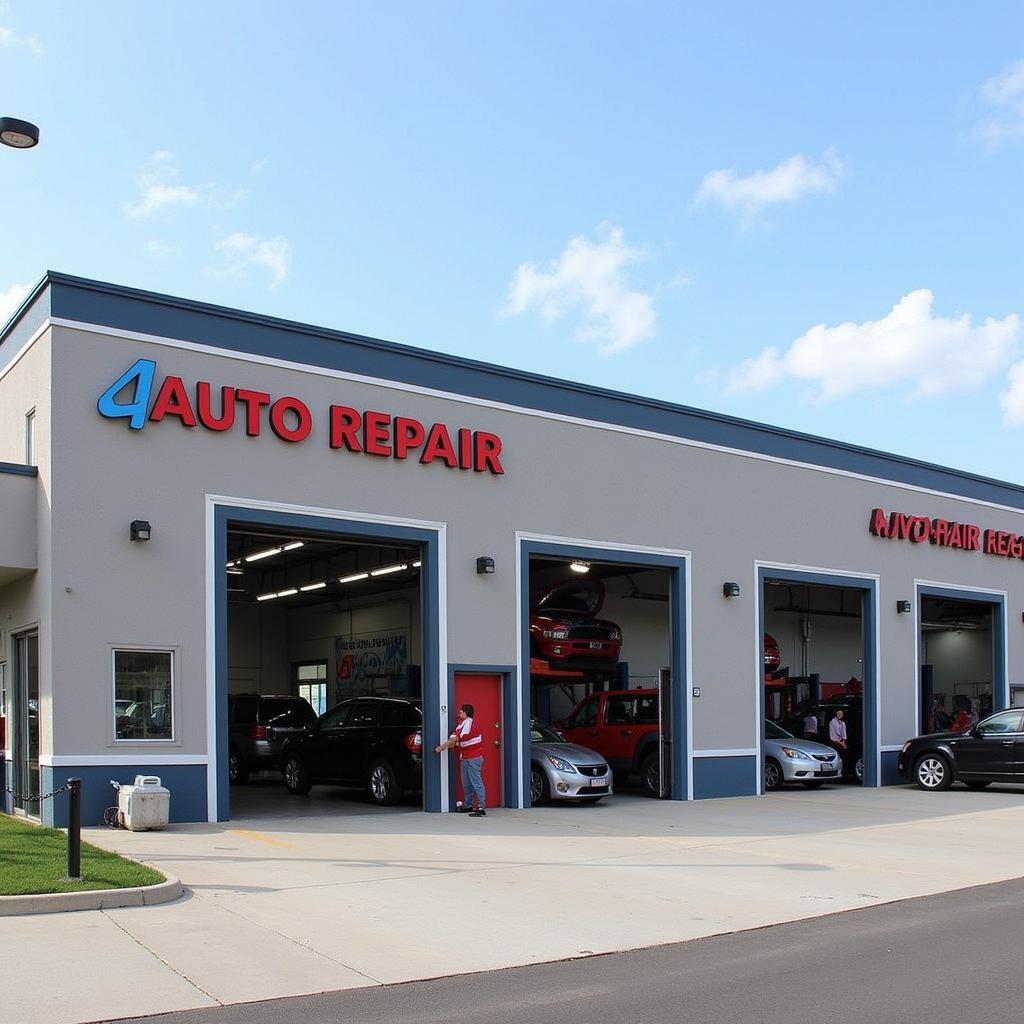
(388, 569)
(229, 565)
(262, 554)
(416, 565)
(354, 577)
(235, 572)
(579, 566)
(313, 586)
(288, 592)
(291, 547)
(266, 597)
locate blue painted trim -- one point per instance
(430, 613)
(869, 626)
(510, 727)
(724, 776)
(890, 769)
(186, 782)
(166, 316)
(14, 469)
(1000, 673)
(677, 633)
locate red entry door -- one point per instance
(484, 693)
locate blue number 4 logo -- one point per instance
(141, 374)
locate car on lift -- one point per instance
(991, 751)
(560, 770)
(259, 724)
(852, 706)
(371, 742)
(787, 759)
(623, 726)
(566, 632)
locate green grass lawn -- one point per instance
(35, 860)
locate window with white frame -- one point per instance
(143, 695)
(311, 684)
(30, 438)
(3, 689)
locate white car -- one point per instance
(787, 759)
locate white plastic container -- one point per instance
(144, 805)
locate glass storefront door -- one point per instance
(26, 722)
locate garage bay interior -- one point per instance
(314, 620)
(599, 641)
(957, 646)
(814, 649)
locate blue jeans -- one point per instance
(473, 783)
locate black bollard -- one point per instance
(75, 828)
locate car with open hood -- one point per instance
(566, 632)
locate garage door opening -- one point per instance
(600, 643)
(324, 671)
(815, 650)
(958, 642)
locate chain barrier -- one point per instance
(29, 799)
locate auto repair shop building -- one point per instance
(153, 450)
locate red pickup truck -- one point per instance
(622, 725)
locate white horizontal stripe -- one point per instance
(471, 742)
(733, 752)
(141, 758)
(321, 371)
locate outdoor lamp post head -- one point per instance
(18, 134)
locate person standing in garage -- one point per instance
(470, 744)
(837, 733)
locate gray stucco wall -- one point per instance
(25, 384)
(562, 479)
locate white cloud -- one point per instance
(1011, 401)
(158, 247)
(1004, 94)
(159, 190)
(10, 300)
(9, 37)
(910, 346)
(588, 277)
(790, 180)
(242, 251)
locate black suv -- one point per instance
(852, 707)
(258, 726)
(376, 742)
(991, 751)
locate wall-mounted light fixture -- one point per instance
(731, 589)
(140, 530)
(484, 565)
(902, 607)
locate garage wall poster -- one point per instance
(373, 663)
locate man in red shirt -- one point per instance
(470, 744)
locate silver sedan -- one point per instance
(564, 771)
(787, 759)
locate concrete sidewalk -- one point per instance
(311, 902)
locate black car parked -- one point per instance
(376, 742)
(258, 726)
(991, 751)
(852, 706)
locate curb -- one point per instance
(93, 899)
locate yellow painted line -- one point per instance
(261, 838)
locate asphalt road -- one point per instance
(948, 958)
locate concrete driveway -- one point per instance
(336, 894)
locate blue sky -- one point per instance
(806, 215)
